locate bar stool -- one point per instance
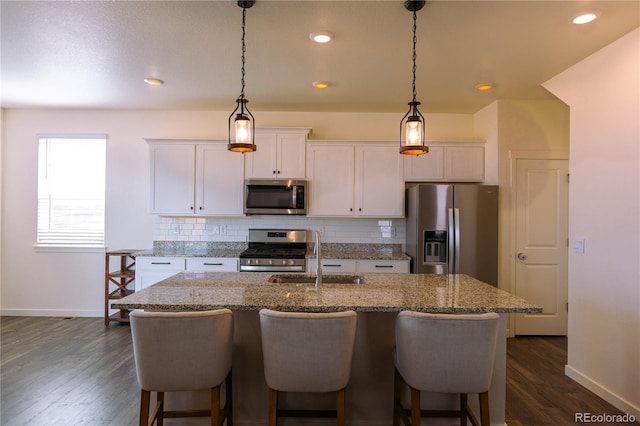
(182, 351)
(307, 352)
(447, 354)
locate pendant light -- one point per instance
(412, 124)
(244, 123)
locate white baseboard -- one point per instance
(50, 313)
(617, 401)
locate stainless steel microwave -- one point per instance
(275, 196)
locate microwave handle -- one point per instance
(294, 196)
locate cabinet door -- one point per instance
(426, 167)
(291, 155)
(330, 171)
(464, 163)
(220, 180)
(261, 164)
(379, 183)
(172, 178)
(384, 266)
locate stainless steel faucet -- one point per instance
(319, 261)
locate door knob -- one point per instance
(522, 256)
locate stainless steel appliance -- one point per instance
(275, 196)
(453, 229)
(275, 250)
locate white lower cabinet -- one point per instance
(360, 266)
(150, 270)
(212, 264)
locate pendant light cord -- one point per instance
(244, 49)
(415, 39)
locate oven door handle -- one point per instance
(270, 268)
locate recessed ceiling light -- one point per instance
(585, 18)
(320, 84)
(484, 87)
(321, 36)
(154, 81)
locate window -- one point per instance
(71, 190)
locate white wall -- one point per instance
(603, 92)
(67, 284)
(518, 129)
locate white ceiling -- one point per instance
(95, 54)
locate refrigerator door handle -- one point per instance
(451, 243)
(456, 259)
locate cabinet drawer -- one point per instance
(160, 263)
(384, 266)
(212, 264)
(332, 265)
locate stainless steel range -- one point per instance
(275, 250)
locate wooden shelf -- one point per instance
(118, 283)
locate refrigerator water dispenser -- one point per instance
(435, 246)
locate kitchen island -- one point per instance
(377, 299)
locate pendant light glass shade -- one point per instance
(244, 127)
(412, 125)
(244, 123)
(412, 132)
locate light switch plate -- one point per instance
(578, 245)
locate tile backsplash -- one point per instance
(363, 231)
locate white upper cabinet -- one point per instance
(379, 188)
(172, 178)
(330, 171)
(219, 180)
(447, 162)
(355, 179)
(280, 154)
(195, 177)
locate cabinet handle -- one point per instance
(278, 172)
(329, 265)
(161, 263)
(212, 264)
(384, 266)
(274, 172)
(360, 209)
(200, 207)
(191, 208)
(350, 209)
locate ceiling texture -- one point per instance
(96, 54)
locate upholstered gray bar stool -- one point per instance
(307, 352)
(183, 351)
(444, 353)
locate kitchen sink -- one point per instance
(326, 279)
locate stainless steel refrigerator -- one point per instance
(453, 229)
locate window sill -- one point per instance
(50, 248)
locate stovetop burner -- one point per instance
(275, 250)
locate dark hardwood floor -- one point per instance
(57, 371)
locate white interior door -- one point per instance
(542, 192)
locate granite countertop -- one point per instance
(379, 293)
(233, 249)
